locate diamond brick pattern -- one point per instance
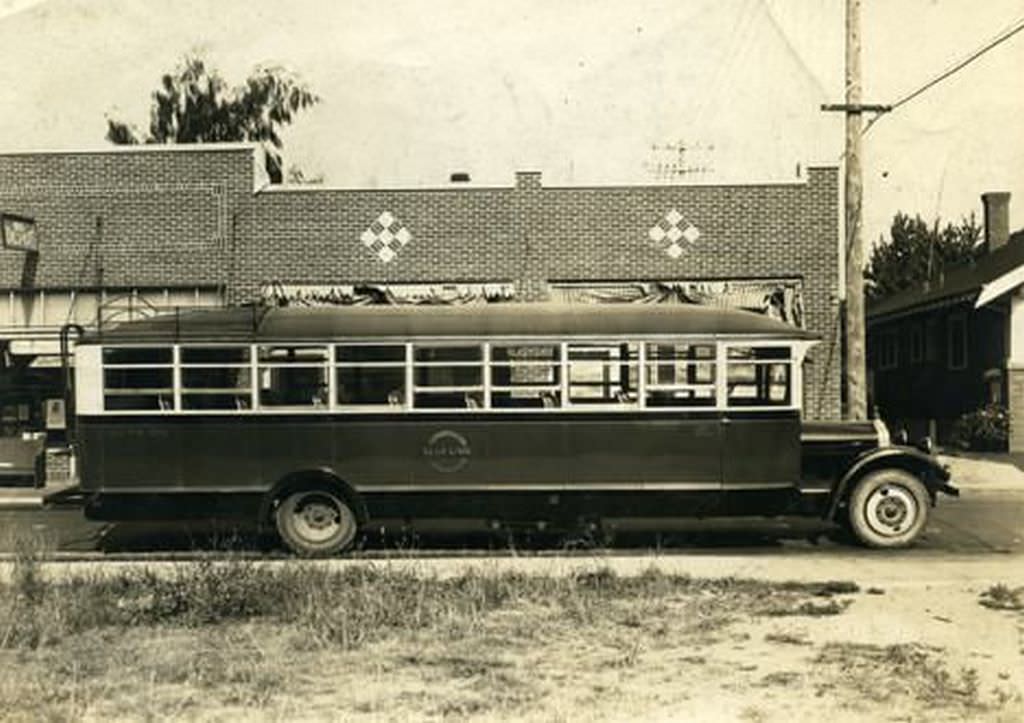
(667, 234)
(385, 237)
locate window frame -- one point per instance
(404, 365)
(957, 319)
(170, 393)
(792, 363)
(713, 386)
(888, 350)
(180, 390)
(467, 390)
(639, 366)
(915, 342)
(556, 387)
(636, 363)
(325, 365)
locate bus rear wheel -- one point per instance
(315, 523)
(888, 509)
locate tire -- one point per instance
(315, 522)
(888, 509)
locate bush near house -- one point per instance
(983, 430)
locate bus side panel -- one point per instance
(761, 463)
(131, 453)
(529, 452)
(222, 453)
(683, 451)
(489, 452)
(480, 465)
(447, 451)
(371, 451)
(761, 449)
(293, 444)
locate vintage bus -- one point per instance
(319, 421)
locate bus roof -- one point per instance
(426, 321)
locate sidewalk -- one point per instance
(985, 470)
(29, 498)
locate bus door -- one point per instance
(663, 456)
(760, 424)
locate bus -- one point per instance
(319, 422)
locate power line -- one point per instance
(1002, 37)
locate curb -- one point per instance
(21, 503)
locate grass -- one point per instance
(892, 672)
(356, 605)
(231, 638)
(282, 639)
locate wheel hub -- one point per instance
(891, 509)
(317, 519)
(319, 516)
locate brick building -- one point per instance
(126, 232)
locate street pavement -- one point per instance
(986, 520)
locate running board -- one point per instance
(71, 496)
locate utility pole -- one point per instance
(854, 372)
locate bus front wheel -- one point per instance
(888, 508)
(315, 522)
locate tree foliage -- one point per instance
(195, 105)
(916, 254)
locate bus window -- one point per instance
(680, 375)
(216, 377)
(138, 378)
(448, 376)
(293, 376)
(525, 376)
(759, 376)
(370, 374)
(603, 373)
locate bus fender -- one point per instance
(929, 470)
(319, 477)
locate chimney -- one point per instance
(997, 219)
(528, 180)
(459, 177)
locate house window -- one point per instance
(931, 340)
(957, 342)
(916, 344)
(888, 357)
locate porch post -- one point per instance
(1015, 372)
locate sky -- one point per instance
(589, 92)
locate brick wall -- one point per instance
(145, 217)
(530, 235)
(1015, 403)
(181, 216)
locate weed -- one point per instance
(356, 605)
(808, 608)
(786, 639)
(781, 678)
(911, 670)
(20, 624)
(1003, 597)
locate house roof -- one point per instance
(484, 320)
(980, 281)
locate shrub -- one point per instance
(985, 429)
